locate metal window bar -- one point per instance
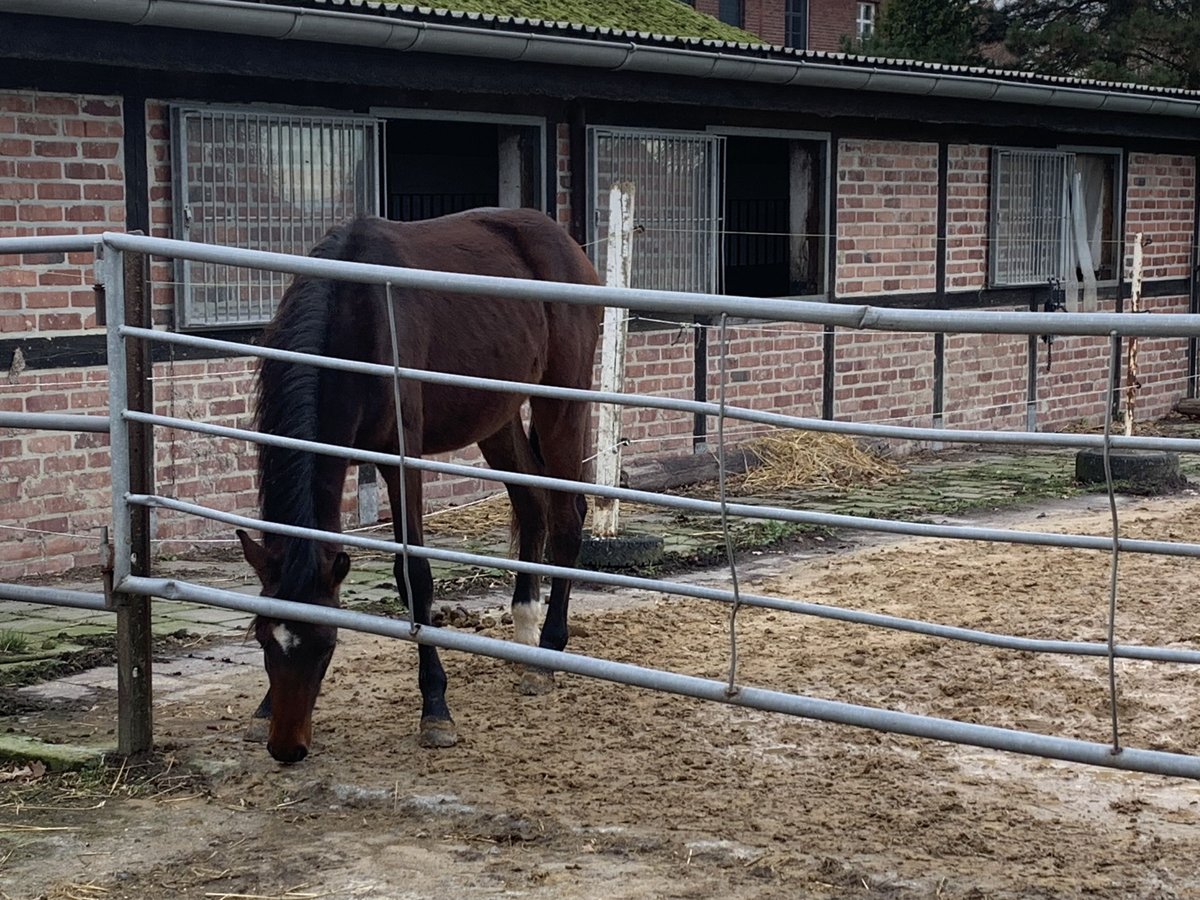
(267, 181)
(1029, 215)
(677, 179)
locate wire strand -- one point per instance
(401, 515)
(1114, 363)
(731, 688)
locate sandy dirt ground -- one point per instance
(599, 791)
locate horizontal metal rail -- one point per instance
(945, 435)
(676, 302)
(53, 597)
(54, 422)
(49, 243)
(699, 592)
(991, 737)
(691, 504)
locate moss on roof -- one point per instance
(667, 17)
(658, 16)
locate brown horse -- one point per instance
(515, 340)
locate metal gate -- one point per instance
(131, 418)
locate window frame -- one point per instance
(738, 12)
(1067, 266)
(829, 221)
(714, 182)
(187, 307)
(545, 190)
(864, 23)
(795, 24)
(1118, 194)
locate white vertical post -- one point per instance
(1135, 305)
(618, 272)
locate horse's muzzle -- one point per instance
(287, 755)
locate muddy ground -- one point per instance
(603, 791)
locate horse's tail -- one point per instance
(288, 406)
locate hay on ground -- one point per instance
(798, 459)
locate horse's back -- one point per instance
(512, 243)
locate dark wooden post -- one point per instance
(134, 638)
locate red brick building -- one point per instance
(815, 177)
(799, 24)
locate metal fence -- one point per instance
(133, 494)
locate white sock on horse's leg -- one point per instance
(527, 622)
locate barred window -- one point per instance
(1029, 228)
(677, 177)
(265, 181)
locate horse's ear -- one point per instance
(341, 568)
(256, 555)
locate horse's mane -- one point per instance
(288, 399)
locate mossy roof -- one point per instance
(671, 18)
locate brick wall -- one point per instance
(54, 486)
(765, 18)
(829, 22)
(774, 367)
(985, 380)
(887, 217)
(883, 377)
(967, 185)
(1160, 203)
(61, 172)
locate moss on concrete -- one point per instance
(56, 757)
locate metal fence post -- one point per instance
(131, 459)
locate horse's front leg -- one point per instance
(437, 726)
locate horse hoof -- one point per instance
(436, 733)
(256, 731)
(535, 682)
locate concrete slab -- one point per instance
(57, 757)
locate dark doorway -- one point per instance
(774, 199)
(438, 167)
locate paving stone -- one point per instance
(57, 757)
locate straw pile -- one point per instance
(491, 514)
(478, 518)
(796, 459)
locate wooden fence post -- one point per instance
(618, 273)
(134, 637)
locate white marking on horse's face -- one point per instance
(527, 622)
(286, 640)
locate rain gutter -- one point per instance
(379, 32)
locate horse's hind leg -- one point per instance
(510, 451)
(437, 727)
(561, 428)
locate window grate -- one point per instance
(1029, 216)
(266, 181)
(676, 207)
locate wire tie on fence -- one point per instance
(731, 688)
(1114, 363)
(402, 514)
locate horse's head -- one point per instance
(295, 654)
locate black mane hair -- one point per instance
(288, 401)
